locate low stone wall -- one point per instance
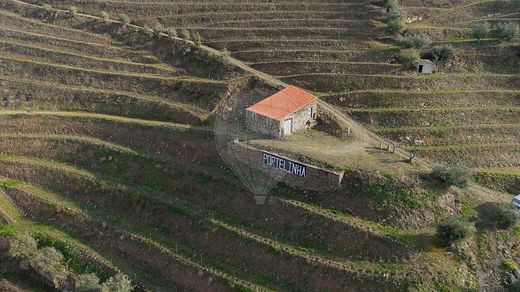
(265, 165)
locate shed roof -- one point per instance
(424, 61)
(283, 103)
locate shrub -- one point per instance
(87, 283)
(158, 28)
(506, 216)
(124, 19)
(197, 39)
(417, 41)
(73, 10)
(517, 51)
(407, 57)
(172, 32)
(117, 283)
(47, 6)
(458, 175)
(506, 30)
(452, 230)
(23, 246)
(440, 54)
(396, 19)
(480, 30)
(47, 259)
(104, 15)
(185, 34)
(391, 4)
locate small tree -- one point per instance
(396, 19)
(506, 30)
(87, 283)
(458, 175)
(158, 28)
(407, 57)
(506, 216)
(440, 54)
(185, 34)
(452, 230)
(481, 30)
(73, 10)
(197, 39)
(118, 283)
(124, 19)
(417, 41)
(23, 246)
(172, 32)
(104, 15)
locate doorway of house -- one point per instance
(421, 68)
(287, 126)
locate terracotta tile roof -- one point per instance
(283, 103)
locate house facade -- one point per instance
(288, 111)
(424, 66)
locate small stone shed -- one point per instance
(287, 111)
(424, 66)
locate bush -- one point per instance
(408, 57)
(87, 283)
(47, 259)
(440, 54)
(185, 34)
(23, 246)
(104, 15)
(158, 28)
(172, 32)
(118, 283)
(458, 175)
(481, 30)
(47, 6)
(417, 41)
(124, 19)
(507, 216)
(73, 10)
(452, 230)
(197, 39)
(506, 30)
(517, 51)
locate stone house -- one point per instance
(424, 66)
(287, 111)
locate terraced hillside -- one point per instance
(108, 154)
(341, 50)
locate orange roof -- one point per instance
(283, 103)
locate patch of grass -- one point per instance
(8, 229)
(11, 183)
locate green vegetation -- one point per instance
(452, 230)
(407, 57)
(105, 16)
(506, 216)
(457, 175)
(172, 32)
(47, 6)
(440, 54)
(185, 34)
(416, 41)
(124, 19)
(197, 39)
(507, 31)
(158, 29)
(73, 10)
(481, 30)
(396, 17)
(118, 283)
(87, 283)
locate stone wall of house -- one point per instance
(262, 124)
(302, 118)
(316, 178)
